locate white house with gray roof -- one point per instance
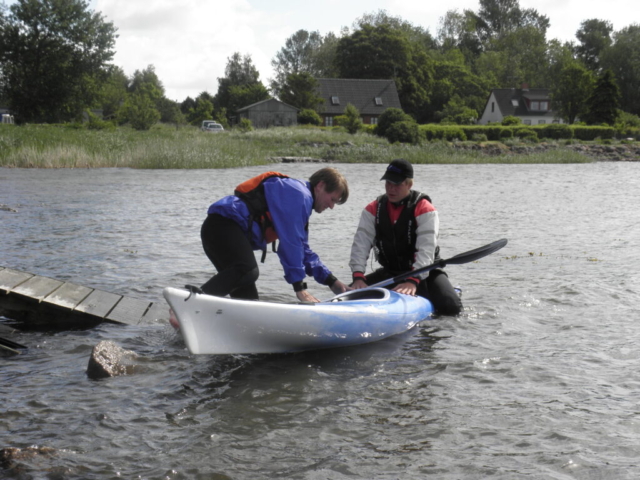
(531, 105)
(370, 97)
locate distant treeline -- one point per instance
(55, 66)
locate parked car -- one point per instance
(211, 126)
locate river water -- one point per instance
(538, 378)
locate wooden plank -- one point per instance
(98, 303)
(37, 287)
(32, 298)
(129, 311)
(10, 278)
(68, 295)
(157, 313)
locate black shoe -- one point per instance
(194, 289)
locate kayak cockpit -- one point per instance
(380, 294)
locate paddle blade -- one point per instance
(459, 259)
(475, 254)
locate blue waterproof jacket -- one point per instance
(290, 203)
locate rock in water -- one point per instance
(109, 360)
(10, 456)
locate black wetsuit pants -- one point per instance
(436, 288)
(230, 251)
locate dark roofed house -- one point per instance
(531, 105)
(370, 97)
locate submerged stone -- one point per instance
(110, 360)
(10, 455)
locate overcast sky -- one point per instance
(189, 41)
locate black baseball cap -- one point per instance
(398, 171)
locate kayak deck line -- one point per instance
(47, 302)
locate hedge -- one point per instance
(403, 132)
(591, 133)
(496, 132)
(443, 132)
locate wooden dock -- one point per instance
(46, 302)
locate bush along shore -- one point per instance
(168, 147)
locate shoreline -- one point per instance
(599, 153)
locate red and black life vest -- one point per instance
(395, 244)
(251, 192)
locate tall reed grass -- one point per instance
(165, 147)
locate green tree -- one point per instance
(53, 56)
(452, 78)
(187, 104)
(297, 56)
(623, 59)
(413, 33)
(146, 82)
(559, 56)
(503, 43)
(492, 68)
(169, 111)
(604, 101)
(300, 90)
(525, 55)
(380, 52)
(202, 110)
(456, 111)
(308, 116)
(388, 118)
(594, 36)
(139, 111)
(239, 72)
(372, 53)
(496, 19)
(403, 132)
(243, 95)
(350, 119)
(245, 125)
(114, 92)
(325, 57)
(569, 99)
(456, 31)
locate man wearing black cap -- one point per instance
(402, 226)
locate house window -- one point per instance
(527, 122)
(514, 102)
(541, 122)
(328, 121)
(493, 107)
(374, 120)
(378, 101)
(335, 100)
(539, 106)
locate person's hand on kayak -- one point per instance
(305, 296)
(338, 287)
(358, 284)
(408, 288)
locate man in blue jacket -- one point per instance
(273, 206)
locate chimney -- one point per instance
(525, 86)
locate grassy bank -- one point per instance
(49, 146)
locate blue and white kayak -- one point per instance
(217, 325)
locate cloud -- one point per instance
(187, 42)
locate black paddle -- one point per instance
(9, 345)
(459, 259)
